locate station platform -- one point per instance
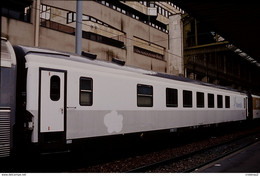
(246, 160)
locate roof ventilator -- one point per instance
(118, 61)
(89, 55)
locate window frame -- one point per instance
(88, 91)
(219, 101)
(144, 95)
(227, 99)
(197, 99)
(190, 101)
(54, 96)
(211, 100)
(175, 95)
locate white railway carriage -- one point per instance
(71, 97)
(63, 97)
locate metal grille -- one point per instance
(5, 132)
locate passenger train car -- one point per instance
(50, 97)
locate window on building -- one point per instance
(200, 100)
(55, 88)
(159, 10)
(166, 13)
(227, 101)
(187, 98)
(86, 91)
(163, 12)
(171, 97)
(220, 101)
(118, 9)
(71, 17)
(150, 4)
(144, 95)
(85, 18)
(93, 19)
(45, 12)
(210, 100)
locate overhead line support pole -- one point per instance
(78, 43)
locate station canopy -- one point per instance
(236, 21)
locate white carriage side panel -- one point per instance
(32, 94)
(34, 62)
(115, 111)
(111, 94)
(126, 117)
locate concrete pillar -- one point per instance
(175, 59)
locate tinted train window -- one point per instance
(171, 97)
(187, 99)
(220, 101)
(86, 92)
(144, 95)
(210, 100)
(227, 101)
(200, 100)
(55, 88)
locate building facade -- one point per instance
(136, 32)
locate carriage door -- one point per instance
(52, 106)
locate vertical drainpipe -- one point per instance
(37, 23)
(196, 33)
(78, 42)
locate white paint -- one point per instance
(113, 122)
(238, 102)
(52, 112)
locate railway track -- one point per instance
(184, 157)
(192, 161)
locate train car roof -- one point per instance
(70, 56)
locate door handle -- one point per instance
(72, 107)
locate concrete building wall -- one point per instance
(121, 27)
(18, 32)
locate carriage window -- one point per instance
(210, 100)
(227, 101)
(171, 97)
(220, 101)
(86, 91)
(55, 88)
(200, 100)
(187, 99)
(144, 95)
